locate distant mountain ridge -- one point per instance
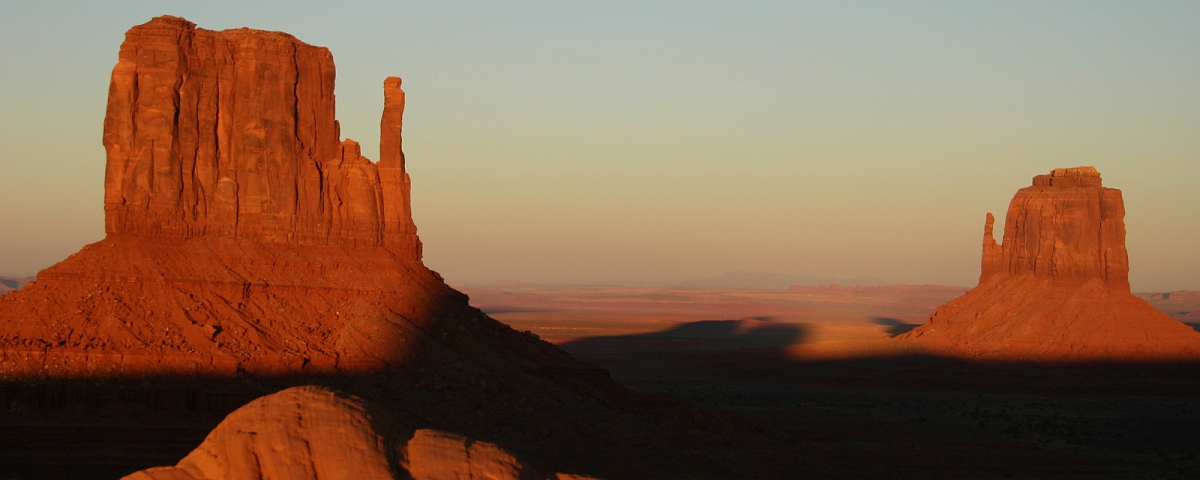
(8, 284)
(774, 281)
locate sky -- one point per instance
(649, 142)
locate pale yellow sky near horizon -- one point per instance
(649, 143)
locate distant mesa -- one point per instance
(1178, 296)
(1058, 287)
(772, 281)
(1182, 305)
(912, 292)
(8, 284)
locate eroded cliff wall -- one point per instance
(232, 133)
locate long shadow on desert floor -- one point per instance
(704, 335)
(923, 415)
(895, 326)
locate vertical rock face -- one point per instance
(1057, 289)
(232, 133)
(993, 253)
(1067, 226)
(397, 218)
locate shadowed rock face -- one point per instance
(1058, 288)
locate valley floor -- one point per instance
(816, 372)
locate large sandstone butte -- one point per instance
(243, 233)
(1058, 288)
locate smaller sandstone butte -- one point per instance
(310, 433)
(1058, 287)
(1183, 305)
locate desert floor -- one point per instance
(814, 369)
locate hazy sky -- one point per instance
(654, 141)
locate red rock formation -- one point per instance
(437, 455)
(243, 234)
(233, 134)
(311, 433)
(299, 433)
(1064, 227)
(1058, 288)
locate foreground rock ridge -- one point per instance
(1057, 289)
(311, 433)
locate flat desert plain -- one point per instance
(800, 315)
(813, 367)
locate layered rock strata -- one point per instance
(1057, 289)
(232, 134)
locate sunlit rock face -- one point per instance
(244, 236)
(313, 433)
(1057, 289)
(1067, 226)
(232, 134)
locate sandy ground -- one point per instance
(563, 314)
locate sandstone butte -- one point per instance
(311, 433)
(1057, 290)
(243, 235)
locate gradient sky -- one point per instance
(649, 142)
